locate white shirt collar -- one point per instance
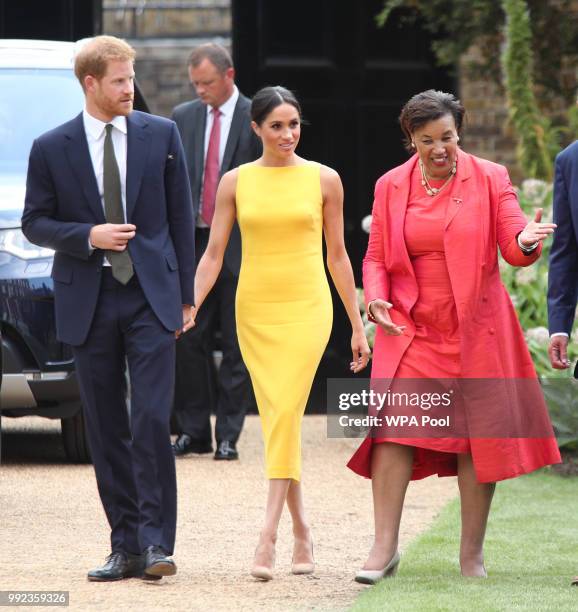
(95, 127)
(228, 107)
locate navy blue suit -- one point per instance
(563, 270)
(109, 324)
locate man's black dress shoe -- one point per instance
(157, 563)
(185, 444)
(118, 565)
(226, 451)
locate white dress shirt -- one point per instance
(95, 134)
(227, 109)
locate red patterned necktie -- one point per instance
(211, 178)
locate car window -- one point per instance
(33, 101)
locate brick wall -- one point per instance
(161, 70)
(486, 132)
(167, 18)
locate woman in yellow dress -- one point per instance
(284, 204)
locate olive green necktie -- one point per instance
(120, 261)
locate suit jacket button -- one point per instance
(484, 298)
(492, 331)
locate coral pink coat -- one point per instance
(483, 214)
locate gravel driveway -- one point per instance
(53, 528)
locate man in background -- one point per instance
(217, 136)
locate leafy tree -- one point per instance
(457, 24)
(539, 42)
(537, 141)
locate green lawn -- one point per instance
(531, 554)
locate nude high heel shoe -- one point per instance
(304, 568)
(374, 576)
(262, 572)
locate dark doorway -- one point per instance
(50, 19)
(352, 79)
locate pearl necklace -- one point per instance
(432, 191)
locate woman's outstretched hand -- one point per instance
(379, 311)
(536, 231)
(360, 350)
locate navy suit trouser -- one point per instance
(131, 453)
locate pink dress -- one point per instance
(440, 271)
(435, 349)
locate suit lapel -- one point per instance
(199, 126)
(402, 183)
(398, 208)
(234, 134)
(78, 155)
(458, 189)
(137, 151)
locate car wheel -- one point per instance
(75, 439)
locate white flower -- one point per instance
(539, 334)
(515, 299)
(366, 224)
(535, 190)
(526, 276)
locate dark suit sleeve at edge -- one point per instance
(39, 224)
(562, 277)
(180, 215)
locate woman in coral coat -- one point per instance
(432, 284)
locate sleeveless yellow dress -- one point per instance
(283, 306)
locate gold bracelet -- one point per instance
(369, 312)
